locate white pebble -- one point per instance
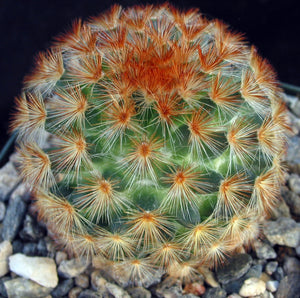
(252, 287)
(5, 251)
(272, 285)
(39, 269)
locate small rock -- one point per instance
(271, 267)
(8, 180)
(294, 183)
(42, 248)
(279, 274)
(25, 288)
(13, 218)
(31, 231)
(82, 280)
(236, 267)
(252, 287)
(3, 292)
(75, 292)
(264, 250)
(30, 249)
(17, 246)
(60, 256)
(5, 251)
(298, 251)
(234, 295)
(293, 200)
(289, 286)
(209, 278)
(72, 268)
(293, 152)
(272, 285)
(215, 293)
(39, 269)
(283, 231)
(291, 265)
(2, 211)
(89, 294)
(139, 292)
(63, 288)
(116, 291)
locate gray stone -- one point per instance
(116, 291)
(72, 268)
(234, 286)
(8, 180)
(295, 107)
(89, 294)
(82, 280)
(215, 293)
(17, 246)
(271, 267)
(25, 288)
(272, 285)
(42, 248)
(139, 292)
(40, 270)
(2, 211)
(291, 265)
(60, 256)
(252, 287)
(293, 152)
(63, 288)
(75, 292)
(5, 251)
(279, 274)
(293, 200)
(236, 267)
(30, 249)
(289, 286)
(13, 218)
(3, 292)
(283, 231)
(31, 230)
(294, 183)
(264, 250)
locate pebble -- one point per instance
(60, 256)
(88, 294)
(72, 268)
(279, 274)
(264, 250)
(234, 295)
(139, 292)
(293, 200)
(289, 286)
(271, 267)
(2, 211)
(17, 246)
(252, 287)
(283, 231)
(215, 293)
(294, 183)
(298, 251)
(82, 280)
(236, 267)
(30, 249)
(293, 152)
(39, 269)
(24, 288)
(13, 218)
(209, 277)
(31, 230)
(272, 285)
(8, 180)
(116, 291)
(291, 265)
(195, 288)
(74, 293)
(42, 248)
(6, 250)
(63, 288)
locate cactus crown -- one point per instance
(168, 132)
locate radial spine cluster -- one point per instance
(167, 137)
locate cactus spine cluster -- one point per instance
(168, 132)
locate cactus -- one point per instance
(167, 137)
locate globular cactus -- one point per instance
(167, 137)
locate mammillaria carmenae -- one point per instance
(168, 132)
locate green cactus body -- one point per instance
(168, 132)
